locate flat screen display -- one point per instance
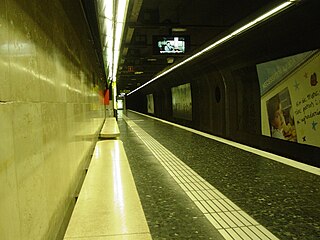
(170, 44)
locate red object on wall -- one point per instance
(106, 97)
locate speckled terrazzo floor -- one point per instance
(169, 213)
(283, 199)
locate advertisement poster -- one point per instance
(290, 98)
(150, 103)
(182, 102)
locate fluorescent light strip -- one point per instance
(114, 20)
(235, 33)
(120, 19)
(108, 7)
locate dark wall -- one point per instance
(225, 87)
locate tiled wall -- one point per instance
(50, 113)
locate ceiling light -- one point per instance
(112, 18)
(170, 60)
(137, 73)
(235, 33)
(178, 29)
(119, 23)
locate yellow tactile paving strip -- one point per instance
(232, 222)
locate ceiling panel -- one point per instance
(203, 21)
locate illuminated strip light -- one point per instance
(120, 20)
(239, 31)
(114, 23)
(108, 13)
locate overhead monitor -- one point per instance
(170, 45)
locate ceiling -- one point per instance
(203, 21)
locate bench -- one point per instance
(110, 128)
(108, 206)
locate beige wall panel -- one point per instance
(50, 113)
(5, 85)
(29, 161)
(9, 205)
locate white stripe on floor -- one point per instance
(274, 157)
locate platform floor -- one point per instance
(219, 186)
